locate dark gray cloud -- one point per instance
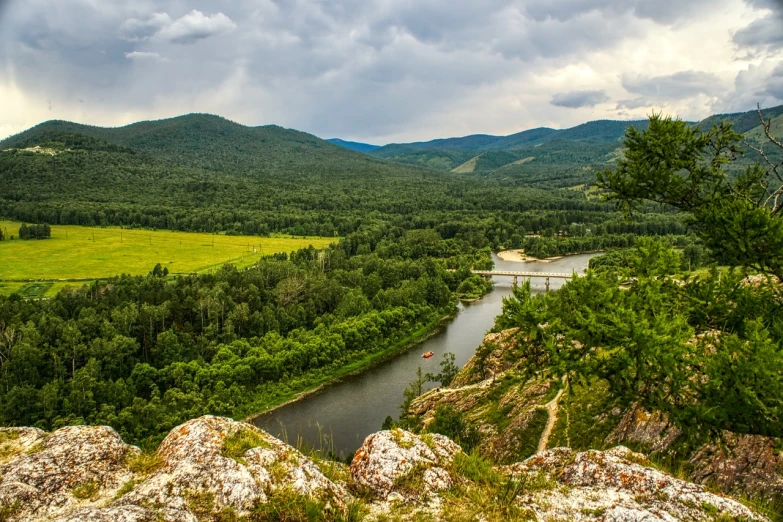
(665, 12)
(766, 4)
(362, 69)
(764, 32)
(679, 85)
(579, 99)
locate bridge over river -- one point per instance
(524, 275)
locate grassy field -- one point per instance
(92, 253)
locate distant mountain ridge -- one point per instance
(353, 145)
(540, 155)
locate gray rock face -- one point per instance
(401, 462)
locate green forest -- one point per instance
(144, 354)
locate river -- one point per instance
(341, 415)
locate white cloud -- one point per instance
(187, 29)
(195, 26)
(144, 56)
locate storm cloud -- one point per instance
(380, 71)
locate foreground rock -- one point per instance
(215, 469)
(401, 462)
(613, 485)
(72, 466)
(89, 473)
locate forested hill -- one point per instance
(212, 142)
(205, 173)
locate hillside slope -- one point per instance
(212, 142)
(204, 173)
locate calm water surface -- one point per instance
(355, 407)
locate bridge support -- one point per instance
(547, 284)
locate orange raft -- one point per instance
(427, 355)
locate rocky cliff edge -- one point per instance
(213, 468)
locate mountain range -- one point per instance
(533, 154)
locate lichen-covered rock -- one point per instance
(401, 462)
(72, 466)
(14, 441)
(82, 473)
(614, 485)
(194, 469)
(125, 514)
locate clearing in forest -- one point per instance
(75, 252)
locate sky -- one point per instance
(382, 71)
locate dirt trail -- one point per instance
(551, 408)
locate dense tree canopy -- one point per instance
(143, 354)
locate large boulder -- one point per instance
(195, 469)
(73, 466)
(401, 462)
(204, 467)
(616, 485)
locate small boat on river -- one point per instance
(427, 355)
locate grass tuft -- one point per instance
(143, 463)
(237, 444)
(399, 438)
(86, 490)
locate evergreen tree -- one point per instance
(738, 213)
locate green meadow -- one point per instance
(85, 253)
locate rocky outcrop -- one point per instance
(88, 473)
(652, 431)
(213, 468)
(491, 359)
(72, 466)
(614, 485)
(493, 395)
(748, 463)
(397, 461)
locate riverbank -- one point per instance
(519, 256)
(354, 368)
